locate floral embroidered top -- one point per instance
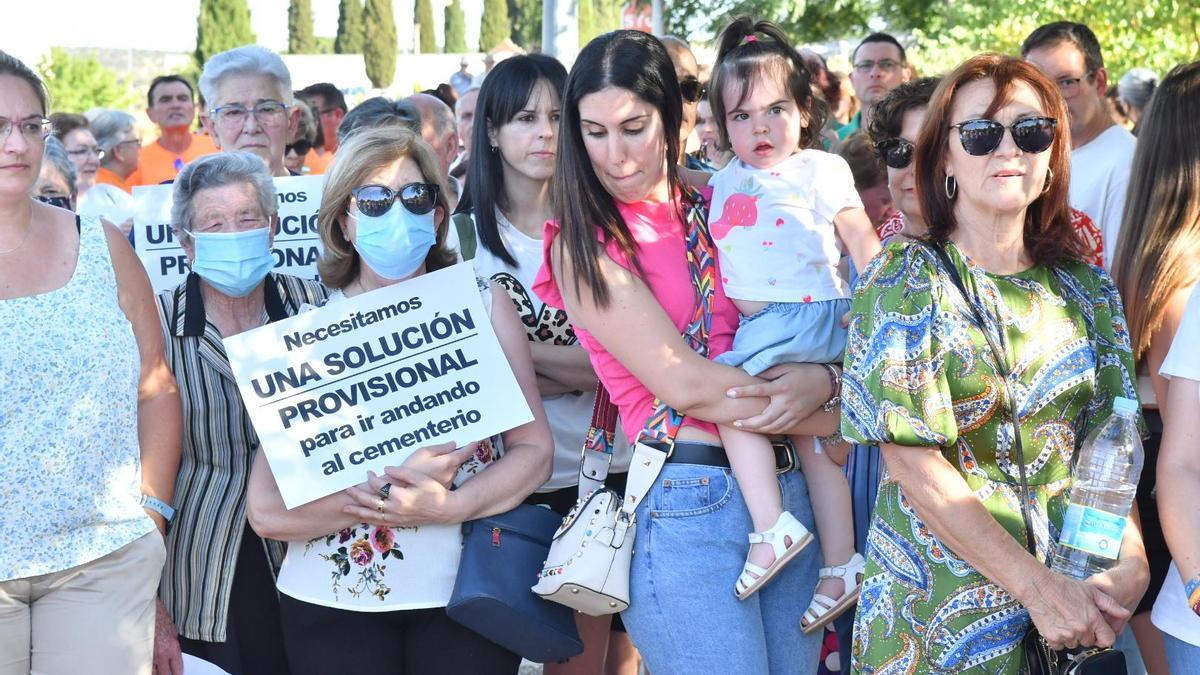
(382, 569)
(919, 373)
(69, 451)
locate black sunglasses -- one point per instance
(301, 147)
(376, 200)
(691, 89)
(982, 136)
(895, 152)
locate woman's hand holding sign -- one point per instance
(439, 462)
(413, 498)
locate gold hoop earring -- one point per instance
(951, 187)
(1049, 179)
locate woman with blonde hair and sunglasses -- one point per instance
(383, 219)
(951, 583)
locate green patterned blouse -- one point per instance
(919, 373)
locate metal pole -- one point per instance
(656, 16)
(560, 29)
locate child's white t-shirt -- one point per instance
(774, 227)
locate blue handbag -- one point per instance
(501, 556)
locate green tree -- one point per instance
(456, 28)
(526, 16)
(222, 25)
(300, 28)
(77, 84)
(1124, 30)
(350, 28)
(494, 26)
(586, 17)
(608, 15)
(428, 38)
(379, 42)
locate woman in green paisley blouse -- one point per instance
(950, 586)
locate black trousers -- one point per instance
(253, 638)
(328, 641)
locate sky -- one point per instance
(123, 23)
(165, 25)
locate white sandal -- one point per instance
(786, 527)
(823, 608)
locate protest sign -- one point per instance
(295, 232)
(363, 382)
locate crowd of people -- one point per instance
(796, 279)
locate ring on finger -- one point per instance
(385, 490)
(379, 506)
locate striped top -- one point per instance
(219, 444)
(69, 452)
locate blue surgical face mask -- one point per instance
(233, 262)
(395, 244)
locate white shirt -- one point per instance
(570, 415)
(1171, 613)
(774, 227)
(382, 569)
(1099, 180)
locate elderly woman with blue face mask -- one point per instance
(218, 583)
(383, 219)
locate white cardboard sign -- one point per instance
(296, 236)
(363, 382)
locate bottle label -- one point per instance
(1093, 531)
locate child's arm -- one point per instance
(858, 234)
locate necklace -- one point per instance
(23, 240)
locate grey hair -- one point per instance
(1137, 86)
(56, 154)
(379, 112)
(110, 127)
(215, 171)
(248, 60)
(434, 110)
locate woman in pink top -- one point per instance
(616, 260)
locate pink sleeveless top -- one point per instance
(662, 251)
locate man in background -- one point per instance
(877, 65)
(330, 105)
(1101, 150)
(171, 105)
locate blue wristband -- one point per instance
(158, 506)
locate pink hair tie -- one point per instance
(751, 38)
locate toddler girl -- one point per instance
(779, 209)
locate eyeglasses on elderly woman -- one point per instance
(983, 136)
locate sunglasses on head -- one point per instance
(895, 152)
(300, 147)
(376, 200)
(691, 89)
(983, 136)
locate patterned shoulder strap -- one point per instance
(665, 421)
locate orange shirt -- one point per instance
(317, 164)
(103, 175)
(157, 164)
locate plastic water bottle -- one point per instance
(1105, 482)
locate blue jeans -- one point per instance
(863, 469)
(1182, 657)
(691, 544)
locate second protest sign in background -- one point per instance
(295, 243)
(363, 382)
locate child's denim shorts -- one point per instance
(789, 332)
